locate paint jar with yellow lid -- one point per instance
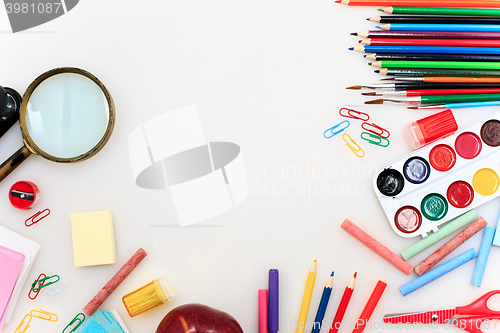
(149, 296)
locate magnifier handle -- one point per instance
(13, 162)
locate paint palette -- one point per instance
(441, 181)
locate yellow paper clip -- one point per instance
(45, 315)
(356, 148)
(18, 329)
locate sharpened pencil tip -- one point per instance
(368, 19)
(375, 101)
(354, 33)
(354, 87)
(351, 48)
(364, 55)
(369, 93)
(355, 274)
(376, 71)
(338, 1)
(333, 273)
(380, 10)
(370, 63)
(412, 107)
(378, 27)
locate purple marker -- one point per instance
(273, 308)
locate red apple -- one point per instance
(198, 318)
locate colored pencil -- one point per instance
(436, 64)
(446, 79)
(325, 297)
(426, 92)
(423, 3)
(435, 19)
(367, 312)
(262, 308)
(273, 302)
(433, 57)
(439, 99)
(344, 302)
(441, 11)
(440, 27)
(437, 72)
(401, 86)
(456, 105)
(426, 49)
(306, 300)
(431, 42)
(427, 34)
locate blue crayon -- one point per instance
(482, 258)
(426, 49)
(440, 27)
(496, 239)
(438, 272)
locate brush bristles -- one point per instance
(412, 107)
(369, 94)
(388, 79)
(354, 87)
(375, 101)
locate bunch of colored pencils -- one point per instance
(441, 54)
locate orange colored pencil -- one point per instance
(344, 302)
(424, 3)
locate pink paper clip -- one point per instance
(40, 216)
(41, 276)
(375, 129)
(351, 113)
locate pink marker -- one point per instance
(262, 310)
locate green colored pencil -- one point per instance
(421, 72)
(441, 11)
(436, 64)
(439, 99)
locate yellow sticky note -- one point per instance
(93, 238)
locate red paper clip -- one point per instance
(354, 114)
(40, 216)
(41, 276)
(377, 130)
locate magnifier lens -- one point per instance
(67, 115)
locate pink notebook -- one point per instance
(11, 263)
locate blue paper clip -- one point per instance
(350, 142)
(334, 127)
(375, 139)
(78, 320)
(60, 287)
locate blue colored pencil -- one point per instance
(440, 27)
(323, 304)
(426, 49)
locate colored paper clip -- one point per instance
(45, 315)
(38, 291)
(351, 113)
(375, 139)
(57, 291)
(375, 129)
(75, 320)
(44, 282)
(334, 127)
(41, 215)
(20, 328)
(357, 150)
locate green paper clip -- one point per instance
(42, 283)
(375, 139)
(76, 319)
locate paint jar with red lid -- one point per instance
(23, 194)
(431, 128)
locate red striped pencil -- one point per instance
(344, 302)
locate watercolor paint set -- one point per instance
(441, 181)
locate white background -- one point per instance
(267, 75)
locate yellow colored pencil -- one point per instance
(306, 300)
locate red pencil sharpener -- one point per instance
(23, 194)
(431, 128)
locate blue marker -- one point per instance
(482, 258)
(426, 49)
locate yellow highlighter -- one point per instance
(306, 300)
(151, 295)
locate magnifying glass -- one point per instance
(66, 115)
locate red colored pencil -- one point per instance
(344, 302)
(424, 3)
(441, 79)
(431, 42)
(424, 92)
